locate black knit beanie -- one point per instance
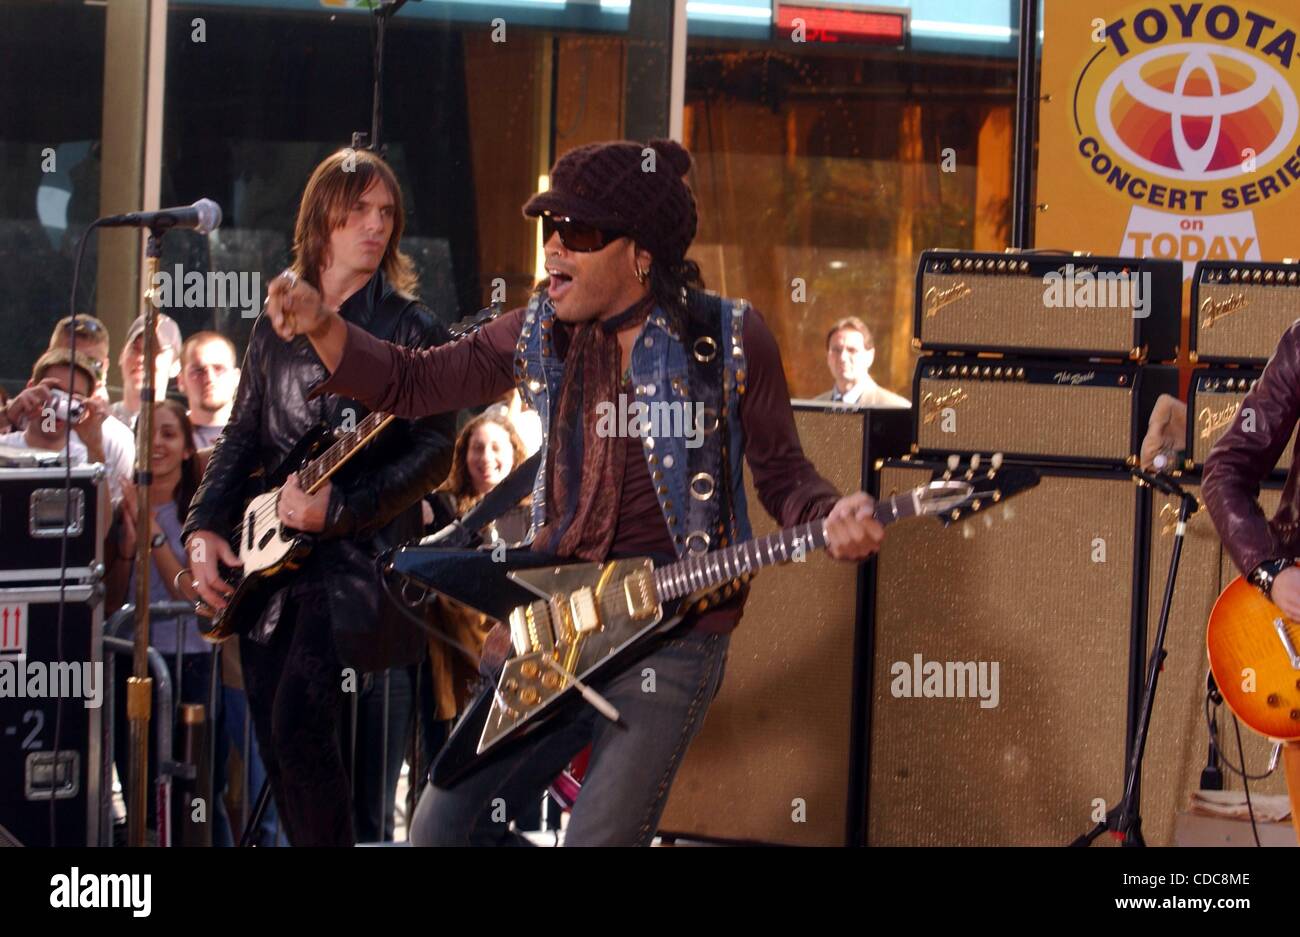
(635, 188)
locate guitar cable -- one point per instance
(1246, 777)
(1245, 781)
(404, 606)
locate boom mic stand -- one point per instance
(384, 10)
(1124, 820)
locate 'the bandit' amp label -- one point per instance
(1052, 411)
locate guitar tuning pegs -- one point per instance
(953, 462)
(966, 531)
(988, 520)
(975, 462)
(996, 461)
(1008, 512)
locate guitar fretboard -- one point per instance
(315, 473)
(703, 571)
(328, 462)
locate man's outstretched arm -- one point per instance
(403, 381)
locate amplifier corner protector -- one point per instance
(879, 464)
(1130, 461)
(916, 447)
(916, 343)
(1192, 357)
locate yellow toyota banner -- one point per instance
(1170, 130)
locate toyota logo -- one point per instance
(1192, 110)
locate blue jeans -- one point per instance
(632, 763)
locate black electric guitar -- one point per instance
(570, 623)
(268, 549)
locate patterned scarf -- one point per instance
(584, 470)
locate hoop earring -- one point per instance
(642, 275)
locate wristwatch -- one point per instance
(1263, 575)
(157, 540)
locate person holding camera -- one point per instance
(59, 393)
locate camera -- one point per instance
(65, 407)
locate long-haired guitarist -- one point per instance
(620, 330)
(329, 618)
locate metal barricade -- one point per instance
(163, 714)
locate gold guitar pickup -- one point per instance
(530, 629)
(582, 606)
(639, 591)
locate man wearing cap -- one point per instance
(131, 361)
(93, 341)
(621, 317)
(46, 425)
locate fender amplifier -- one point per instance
(1240, 309)
(1213, 401)
(1040, 410)
(1047, 305)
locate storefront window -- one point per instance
(49, 167)
(823, 170)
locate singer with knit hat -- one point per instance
(622, 316)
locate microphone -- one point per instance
(1165, 483)
(204, 216)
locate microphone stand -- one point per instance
(1124, 821)
(384, 10)
(139, 687)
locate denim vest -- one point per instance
(692, 503)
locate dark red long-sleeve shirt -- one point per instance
(480, 368)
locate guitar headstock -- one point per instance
(962, 490)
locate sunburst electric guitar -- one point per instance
(268, 549)
(1255, 658)
(570, 623)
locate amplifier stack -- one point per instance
(1046, 358)
(1239, 312)
(1040, 355)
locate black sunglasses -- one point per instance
(577, 236)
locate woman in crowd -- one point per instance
(487, 449)
(176, 476)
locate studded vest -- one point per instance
(698, 475)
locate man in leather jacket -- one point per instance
(328, 624)
(1243, 457)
